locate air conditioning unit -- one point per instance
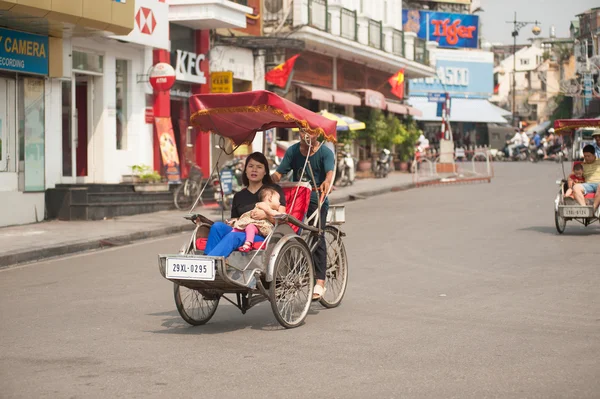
(272, 59)
(275, 10)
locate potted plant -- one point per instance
(146, 179)
(407, 141)
(134, 177)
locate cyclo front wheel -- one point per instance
(292, 285)
(337, 269)
(192, 306)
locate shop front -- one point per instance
(24, 107)
(467, 77)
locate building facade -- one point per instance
(34, 68)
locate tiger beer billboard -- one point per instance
(448, 29)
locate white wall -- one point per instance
(106, 163)
(505, 69)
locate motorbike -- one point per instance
(228, 182)
(521, 154)
(346, 169)
(383, 165)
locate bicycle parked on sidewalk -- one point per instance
(188, 191)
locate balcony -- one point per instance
(348, 24)
(421, 52)
(203, 14)
(398, 42)
(326, 26)
(317, 14)
(375, 34)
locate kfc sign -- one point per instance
(187, 67)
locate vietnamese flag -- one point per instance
(281, 73)
(397, 83)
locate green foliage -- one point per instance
(564, 108)
(145, 173)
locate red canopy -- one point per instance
(567, 125)
(238, 116)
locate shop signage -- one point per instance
(374, 99)
(187, 67)
(448, 29)
(436, 97)
(151, 25)
(463, 73)
(221, 82)
(588, 83)
(23, 52)
(149, 115)
(162, 76)
(168, 149)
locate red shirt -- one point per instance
(577, 179)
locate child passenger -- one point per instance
(269, 203)
(576, 177)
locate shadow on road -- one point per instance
(226, 319)
(573, 231)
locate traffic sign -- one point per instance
(436, 97)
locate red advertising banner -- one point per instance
(168, 148)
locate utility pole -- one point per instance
(517, 25)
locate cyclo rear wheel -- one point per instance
(192, 306)
(337, 269)
(559, 221)
(292, 285)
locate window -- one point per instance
(385, 12)
(362, 7)
(67, 140)
(88, 62)
(31, 132)
(524, 61)
(121, 103)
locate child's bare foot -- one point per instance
(246, 247)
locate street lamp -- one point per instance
(517, 25)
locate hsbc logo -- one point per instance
(145, 20)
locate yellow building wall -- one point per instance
(106, 15)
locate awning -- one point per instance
(372, 98)
(540, 128)
(330, 96)
(462, 110)
(402, 109)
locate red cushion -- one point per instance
(201, 243)
(590, 196)
(300, 204)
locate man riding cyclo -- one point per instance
(321, 163)
(591, 173)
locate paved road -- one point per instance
(457, 292)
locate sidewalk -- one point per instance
(19, 244)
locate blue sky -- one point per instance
(549, 12)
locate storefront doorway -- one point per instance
(77, 118)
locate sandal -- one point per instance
(318, 292)
(246, 247)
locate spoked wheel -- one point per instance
(292, 286)
(560, 222)
(337, 269)
(193, 307)
(185, 195)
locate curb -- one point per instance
(14, 259)
(68, 249)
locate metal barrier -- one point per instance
(453, 167)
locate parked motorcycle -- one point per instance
(346, 169)
(228, 182)
(383, 165)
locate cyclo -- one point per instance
(567, 209)
(279, 269)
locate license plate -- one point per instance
(191, 269)
(576, 212)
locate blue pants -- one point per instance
(320, 253)
(222, 240)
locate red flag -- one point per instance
(397, 83)
(280, 74)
